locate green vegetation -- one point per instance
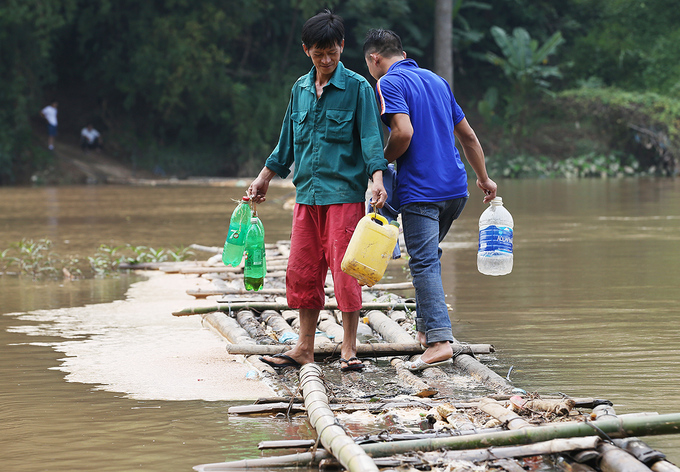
(647, 122)
(526, 68)
(589, 165)
(36, 259)
(199, 87)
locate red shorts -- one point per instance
(318, 242)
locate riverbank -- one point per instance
(73, 166)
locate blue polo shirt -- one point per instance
(431, 169)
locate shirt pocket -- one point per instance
(301, 128)
(339, 125)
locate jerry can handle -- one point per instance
(379, 219)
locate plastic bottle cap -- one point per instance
(497, 200)
(246, 198)
(394, 223)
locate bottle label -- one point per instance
(254, 257)
(495, 238)
(234, 233)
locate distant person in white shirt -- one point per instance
(50, 114)
(90, 138)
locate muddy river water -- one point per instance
(592, 308)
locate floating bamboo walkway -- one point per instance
(461, 417)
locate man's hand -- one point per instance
(489, 188)
(257, 190)
(379, 194)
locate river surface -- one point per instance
(591, 308)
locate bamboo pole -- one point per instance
(553, 446)
(253, 327)
(614, 459)
(165, 266)
(332, 351)
(265, 408)
(482, 373)
(390, 330)
(459, 421)
(614, 427)
(493, 408)
(261, 366)
(214, 269)
(375, 438)
(393, 332)
(332, 435)
(229, 328)
(664, 466)
(642, 452)
(408, 378)
(202, 293)
(276, 322)
(559, 407)
(236, 276)
(398, 316)
(260, 306)
(329, 326)
(378, 287)
(282, 406)
(286, 444)
(210, 249)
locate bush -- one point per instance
(589, 165)
(646, 124)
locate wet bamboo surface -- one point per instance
(505, 429)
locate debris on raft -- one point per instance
(461, 417)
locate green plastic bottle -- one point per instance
(256, 262)
(232, 254)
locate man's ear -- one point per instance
(375, 58)
(305, 49)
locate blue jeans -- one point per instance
(425, 225)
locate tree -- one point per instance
(443, 35)
(525, 66)
(27, 28)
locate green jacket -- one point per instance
(335, 141)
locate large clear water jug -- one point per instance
(494, 254)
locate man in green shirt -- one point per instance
(332, 133)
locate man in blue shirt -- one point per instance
(424, 121)
(332, 133)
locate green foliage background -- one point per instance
(199, 87)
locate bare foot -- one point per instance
(289, 358)
(422, 339)
(351, 364)
(437, 352)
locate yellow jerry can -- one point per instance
(370, 249)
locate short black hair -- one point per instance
(323, 30)
(387, 43)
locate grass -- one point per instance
(37, 260)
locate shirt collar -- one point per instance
(338, 79)
(403, 63)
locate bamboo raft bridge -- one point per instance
(464, 417)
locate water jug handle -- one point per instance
(379, 219)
